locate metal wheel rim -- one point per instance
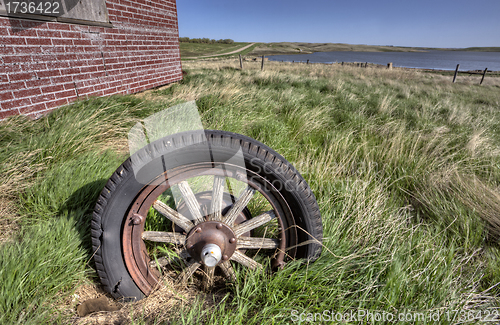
(135, 253)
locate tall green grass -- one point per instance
(52, 172)
(404, 165)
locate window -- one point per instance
(92, 12)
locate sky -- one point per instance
(421, 23)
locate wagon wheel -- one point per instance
(212, 230)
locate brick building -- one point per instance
(89, 48)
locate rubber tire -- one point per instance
(122, 187)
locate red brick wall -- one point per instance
(48, 64)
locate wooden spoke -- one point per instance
(164, 237)
(228, 270)
(208, 277)
(253, 223)
(173, 215)
(245, 260)
(257, 243)
(191, 202)
(217, 194)
(238, 206)
(188, 271)
(163, 261)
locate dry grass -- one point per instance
(161, 306)
(9, 220)
(466, 189)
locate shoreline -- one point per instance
(379, 65)
(382, 66)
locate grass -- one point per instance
(201, 49)
(405, 167)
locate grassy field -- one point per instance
(405, 166)
(201, 49)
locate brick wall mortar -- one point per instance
(48, 64)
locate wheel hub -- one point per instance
(211, 255)
(207, 239)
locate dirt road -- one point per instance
(212, 55)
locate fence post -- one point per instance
(262, 64)
(307, 62)
(241, 63)
(456, 73)
(484, 74)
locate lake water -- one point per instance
(441, 60)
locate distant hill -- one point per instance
(482, 49)
(304, 48)
(205, 46)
